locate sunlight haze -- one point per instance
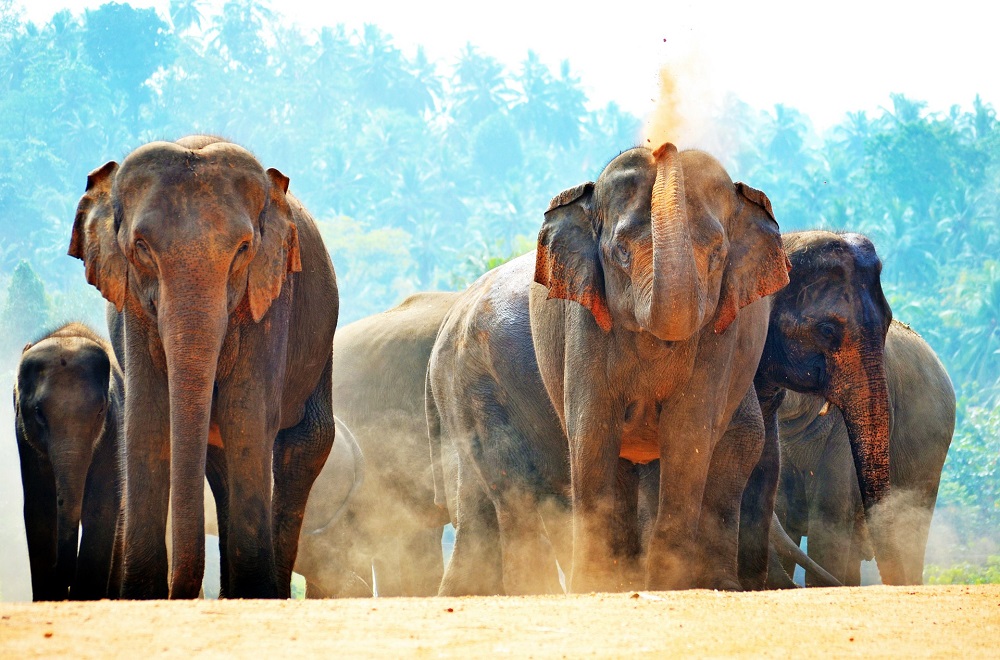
(823, 58)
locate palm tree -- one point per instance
(186, 13)
(479, 88)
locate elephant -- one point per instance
(378, 389)
(661, 273)
(68, 405)
(819, 496)
(827, 339)
(228, 303)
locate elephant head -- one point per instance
(191, 238)
(827, 337)
(663, 242)
(61, 401)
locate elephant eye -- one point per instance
(141, 245)
(244, 246)
(622, 255)
(827, 331)
(39, 415)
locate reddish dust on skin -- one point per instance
(214, 436)
(562, 283)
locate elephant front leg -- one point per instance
(721, 527)
(248, 438)
(101, 507)
(831, 518)
(218, 480)
(39, 487)
(758, 499)
(298, 457)
(686, 441)
(594, 449)
(147, 476)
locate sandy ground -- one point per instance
(956, 621)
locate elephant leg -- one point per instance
(147, 470)
(425, 567)
(724, 527)
(387, 564)
(831, 519)
(757, 501)
(911, 524)
(626, 530)
(248, 445)
(101, 505)
(529, 562)
(476, 565)
(216, 473)
(39, 487)
(299, 455)
(777, 576)
(792, 510)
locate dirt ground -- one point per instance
(956, 621)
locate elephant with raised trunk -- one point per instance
(819, 496)
(228, 301)
(664, 265)
(68, 404)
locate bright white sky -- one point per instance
(824, 58)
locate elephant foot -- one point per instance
(720, 582)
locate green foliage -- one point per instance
(25, 313)
(964, 573)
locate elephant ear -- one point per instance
(757, 265)
(567, 258)
(278, 253)
(95, 237)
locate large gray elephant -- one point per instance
(68, 406)
(229, 302)
(827, 338)
(819, 496)
(665, 266)
(378, 389)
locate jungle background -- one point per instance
(423, 175)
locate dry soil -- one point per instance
(899, 622)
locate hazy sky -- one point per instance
(823, 58)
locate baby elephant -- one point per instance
(68, 402)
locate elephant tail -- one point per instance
(345, 435)
(434, 444)
(785, 547)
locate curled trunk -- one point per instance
(668, 294)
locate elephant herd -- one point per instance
(667, 393)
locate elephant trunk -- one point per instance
(70, 468)
(669, 297)
(192, 323)
(860, 390)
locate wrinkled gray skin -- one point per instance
(68, 403)
(378, 390)
(652, 357)
(229, 303)
(819, 495)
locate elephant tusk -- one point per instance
(825, 409)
